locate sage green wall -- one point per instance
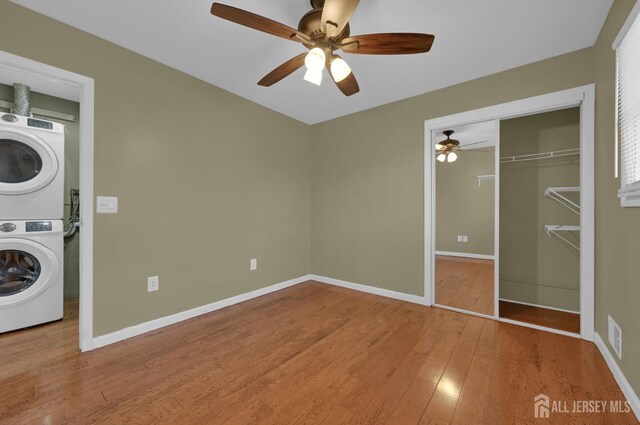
(367, 184)
(463, 207)
(617, 229)
(206, 180)
(71, 174)
(534, 267)
(367, 173)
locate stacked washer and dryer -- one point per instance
(31, 226)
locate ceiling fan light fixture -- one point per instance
(452, 157)
(339, 69)
(315, 59)
(313, 76)
(439, 147)
(441, 157)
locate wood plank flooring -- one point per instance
(465, 283)
(564, 321)
(310, 354)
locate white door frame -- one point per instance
(51, 80)
(582, 97)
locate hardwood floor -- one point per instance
(309, 354)
(564, 321)
(465, 283)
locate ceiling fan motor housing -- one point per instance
(311, 24)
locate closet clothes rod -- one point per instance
(542, 155)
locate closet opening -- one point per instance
(509, 212)
(539, 276)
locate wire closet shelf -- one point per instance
(541, 155)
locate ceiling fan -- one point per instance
(446, 150)
(324, 30)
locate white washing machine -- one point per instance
(31, 168)
(31, 267)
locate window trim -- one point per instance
(629, 195)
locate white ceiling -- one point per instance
(473, 38)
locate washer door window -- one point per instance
(26, 269)
(19, 271)
(27, 163)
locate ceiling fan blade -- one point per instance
(283, 71)
(336, 15)
(349, 86)
(256, 22)
(388, 44)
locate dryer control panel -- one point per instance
(39, 124)
(38, 226)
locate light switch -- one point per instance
(107, 205)
(459, 238)
(465, 238)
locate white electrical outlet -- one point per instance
(615, 337)
(153, 283)
(465, 238)
(459, 238)
(253, 264)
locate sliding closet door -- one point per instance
(464, 217)
(539, 271)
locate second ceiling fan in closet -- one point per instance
(324, 30)
(446, 149)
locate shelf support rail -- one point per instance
(554, 230)
(556, 193)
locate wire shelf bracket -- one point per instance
(485, 177)
(556, 193)
(557, 229)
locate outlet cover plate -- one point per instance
(153, 283)
(107, 205)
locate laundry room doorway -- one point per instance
(64, 100)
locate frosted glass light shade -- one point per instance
(314, 61)
(313, 76)
(452, 157)
(441, 157)
(339, 69)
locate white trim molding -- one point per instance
(627, 25)
(466, 255)
(415, 299)
(162, 322)
(625, 386)
(61, 83)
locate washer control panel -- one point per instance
(38, 226)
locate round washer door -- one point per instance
(27, 163)
(26, 269)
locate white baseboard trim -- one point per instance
(466, 255)
(152, 325)
(415, 299)
(539, 305)
(626, 388)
